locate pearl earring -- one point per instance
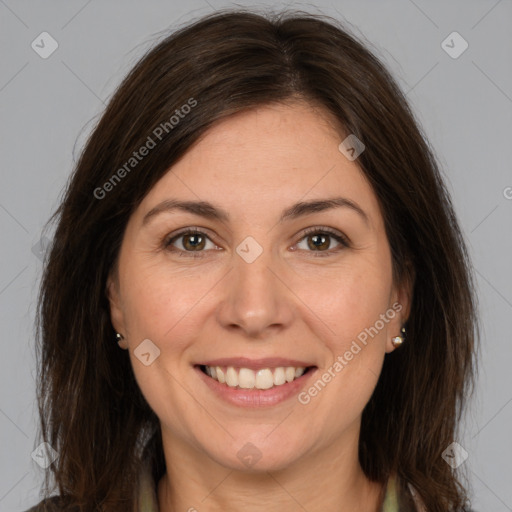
(398, 340)
(120, 338)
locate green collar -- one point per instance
(148, 501)
(390, 503)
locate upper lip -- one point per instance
(255, 364)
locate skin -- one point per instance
(286, 303)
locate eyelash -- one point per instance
(167, 244)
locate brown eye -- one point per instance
(193, 241)
(319, 240)
(188, 242)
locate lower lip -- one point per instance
(256, 397)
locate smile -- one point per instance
(255, 383)
(247, 378)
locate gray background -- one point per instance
(464, 105)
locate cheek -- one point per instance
(355, 350)
(349, 299)
(354, 305)
(159, 298)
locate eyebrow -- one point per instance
(209, 211)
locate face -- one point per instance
(263, 283)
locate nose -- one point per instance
(257, 299)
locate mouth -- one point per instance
(255, 383)
(254, 379)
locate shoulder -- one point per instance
(409, 499)
(53, 504)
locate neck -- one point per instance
(329, 480)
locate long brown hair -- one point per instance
(92, 411)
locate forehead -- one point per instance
(285, 129)
(264, 159)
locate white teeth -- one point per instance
(231, 377)
(289, 373)
(246, 378)
(264, 379)
(279, 377)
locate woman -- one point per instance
(259, 222)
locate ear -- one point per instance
(401, 299)
(116, 311)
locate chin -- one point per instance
(257, 455)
